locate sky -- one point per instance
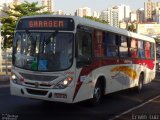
(70, 6)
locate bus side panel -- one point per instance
(135, 67)
(88, 76)
(118, 76)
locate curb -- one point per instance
(156, 80)
(4, 78)
(4, 86)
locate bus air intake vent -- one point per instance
(38, 77)
(36, 92)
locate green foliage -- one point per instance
(96, 19)
(14, 14)
(157, 40)
(131, 28)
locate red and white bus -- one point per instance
(71, 59)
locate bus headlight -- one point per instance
(13, 77)
(64, 83)
(16, 79)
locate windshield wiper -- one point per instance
(28, 33)
(52, 35)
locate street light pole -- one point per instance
(0, 48)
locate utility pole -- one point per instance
(5, 49)
(0, 48)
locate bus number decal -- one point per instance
(82, 78)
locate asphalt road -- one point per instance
(114, 105)
(149, 110)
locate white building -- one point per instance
(106, 15)
(85, 11)
(124, 12)
(96, 14)
(49, 5)
(156, 16)
(149, 7)
(111, 15)
(115, 16)
(79, 12)
(140, 15)
(60, 12)
(1, 5)
(133, 16)
(156, 13)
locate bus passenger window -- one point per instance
(147, 47)
(152, 51)
(141, 49)
(98, 44)
(111, 50)
(110, 38)
(84, 46)
(123, 49)
(133, 49)
(133, 52)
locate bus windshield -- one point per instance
(43, 51)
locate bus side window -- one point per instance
(152, 50)
(98, 43)
(141, 49)
(84, 47)
(111, 41)
(133, 49)
(123, 48)
(147, 48)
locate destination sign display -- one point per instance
(48, 23)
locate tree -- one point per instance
(14, 13)
(157, 40)
(96, 19)
(131, 28)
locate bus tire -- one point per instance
(140, 83)
(97, 94)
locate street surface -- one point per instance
(123, 105)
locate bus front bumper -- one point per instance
(57, 95)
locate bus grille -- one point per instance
(38, 77)
(36, 92)
(41, 85)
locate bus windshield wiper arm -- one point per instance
(52, 35)
(28, 33)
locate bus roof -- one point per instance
(83, 21)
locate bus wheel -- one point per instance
(140, 83)
(97, 95)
